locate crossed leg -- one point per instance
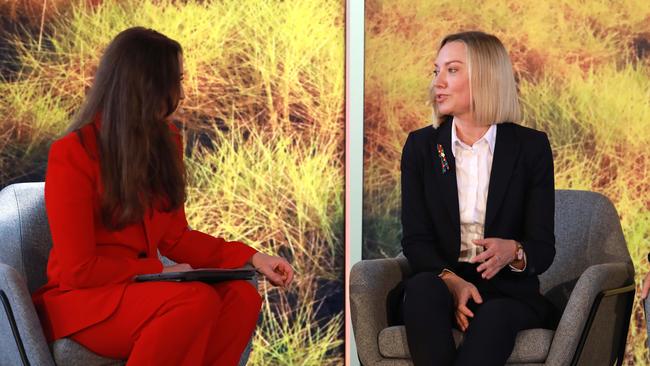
(167, 323)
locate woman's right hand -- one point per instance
(182, 267)
(462, 291)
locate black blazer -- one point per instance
(520, 206)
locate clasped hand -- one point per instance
(461, 291)
(498, 253)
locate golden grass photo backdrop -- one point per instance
(264, 127)
(583, 69)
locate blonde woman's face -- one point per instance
(451, 80)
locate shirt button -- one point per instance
(142, 255)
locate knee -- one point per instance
(427, 286)
(245, 295)
(202, 301)
(248, 293)
(420, 280)
(494, 308)
(495, 312)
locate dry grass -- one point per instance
(584, 79)
(265, 80)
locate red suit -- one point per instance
(90, 295)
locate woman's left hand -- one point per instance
(498, 254)
(276, 269)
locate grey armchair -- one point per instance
(24, 247)
(591, 280)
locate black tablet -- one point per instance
(211, 275)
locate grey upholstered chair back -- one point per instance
(587, 232)
(25, 233)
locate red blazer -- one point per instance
(89, 267)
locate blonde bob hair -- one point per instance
(492, 86)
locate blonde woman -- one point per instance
(477, 213)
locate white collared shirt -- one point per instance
(473, 167)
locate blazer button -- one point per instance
(142, 255)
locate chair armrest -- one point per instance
(370, 282)
(18, 316)
(595, 282)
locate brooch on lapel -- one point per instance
(443, 159)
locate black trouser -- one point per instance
(428, 314)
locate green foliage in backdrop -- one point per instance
(264, 80)
(584, 77)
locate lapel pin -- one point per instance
(443, 159)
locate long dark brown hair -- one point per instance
(136, 87)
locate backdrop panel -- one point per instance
(264, 127)
(584, 77)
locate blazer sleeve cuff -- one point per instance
(246, 252)
(515, 269)
(445, 270)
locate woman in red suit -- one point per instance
(114, 195)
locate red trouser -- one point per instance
(168, 323)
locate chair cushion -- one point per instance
(531, 346)
(67, 352)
